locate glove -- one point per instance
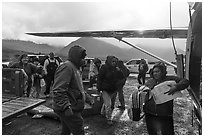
(172, 90)
(68, 112)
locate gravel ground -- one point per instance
(96, 125)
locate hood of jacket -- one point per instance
(76, 55)
(109, 60)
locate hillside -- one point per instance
(11, 47)
(27, 46)
(94, 47)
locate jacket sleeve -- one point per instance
(45, 66)
(120, 74)
(34, 68)
(57, 62)
(146, 68)
(181, 83)
(62, 80)
(150, 83)
(100, 77)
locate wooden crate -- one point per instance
(12, 81)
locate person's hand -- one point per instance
(68, 112)
(172, 90)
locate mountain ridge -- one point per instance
(101, 49)
(94, 47)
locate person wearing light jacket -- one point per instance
(94, 70)
(159, 117)
(68, 93)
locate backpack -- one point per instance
(137, 99)
(51, 67)
(124, 69)
(126, 72)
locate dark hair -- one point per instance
(97, 60)
(23, 56)
(35, 59)
(161, 67)
(51, 53)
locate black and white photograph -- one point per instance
(101, 67)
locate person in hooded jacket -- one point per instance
(142, 68)
(108, 76)
(68, 92)
(159, 117)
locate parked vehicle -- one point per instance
(133, 65)
(5, 64)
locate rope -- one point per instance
(189, 9)
(172, 38)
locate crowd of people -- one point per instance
(35, 74)
(69, 96)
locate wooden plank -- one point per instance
(10, 104)
(5, 100)
(8, 97)
(4, 113)
(18, 103)
(21, 108)
(25, 99)
(21, 102)
(13, 108)
(8, 110)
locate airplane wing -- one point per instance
(159, 33)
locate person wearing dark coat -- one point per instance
(159, 117)
(108, 76)
(69, 95)
(143, 68)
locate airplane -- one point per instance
(193, 34)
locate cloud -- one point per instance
(21, 17)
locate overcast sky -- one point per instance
(19, 18)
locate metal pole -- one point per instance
(146, 52)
